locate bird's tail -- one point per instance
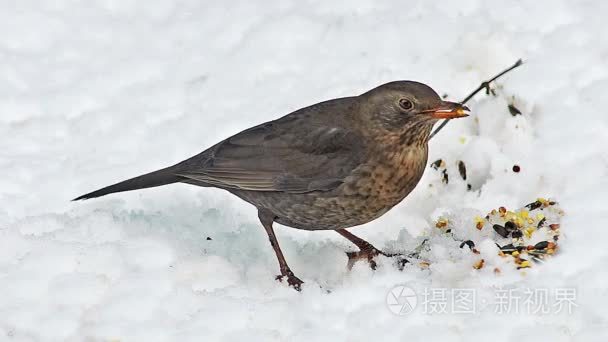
(149, 180)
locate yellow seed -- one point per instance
(524, 214)
(525, 264)
(462, 140)
(441, 223)
(478, 264)
(479, 222)
(540, 216)
(515, 253)
(530, 220)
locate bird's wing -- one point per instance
(291, 154)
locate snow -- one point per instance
(94, 92)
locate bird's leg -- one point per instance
(366, 250)
(267, 218)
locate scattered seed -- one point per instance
(209, 239)
(542, 245)
(501, 230)
(441, 223)
(479, 264)
(462, 170)
(445, 178)
(524, 264)
(513, 110)
(534, 205)
(510, 225)
(436, 164)
(479, 222)
(469, 187)
(554, 226)
(541, 223)
(516, 168)
(469, 243)
(516, 234)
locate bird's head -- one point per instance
(407, 108)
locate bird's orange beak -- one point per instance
(448, 110)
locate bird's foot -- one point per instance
(370, 253)
(292, 280)
(367, 254)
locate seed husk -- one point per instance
(469, 243)
(436, 164)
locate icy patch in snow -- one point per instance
(99, 91)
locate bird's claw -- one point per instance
(292, 280)
(400, 262)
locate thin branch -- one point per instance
(484, 85)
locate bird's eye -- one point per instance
(406, 104)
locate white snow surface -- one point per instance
(94, 92)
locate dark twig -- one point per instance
(484, 85)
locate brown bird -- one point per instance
(333, 165)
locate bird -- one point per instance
(333, 165)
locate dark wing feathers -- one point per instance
(290, 154)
